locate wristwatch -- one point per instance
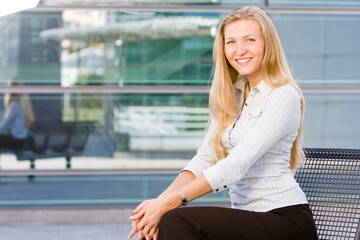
(183, 198)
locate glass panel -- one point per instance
(76, 48)
(149, 131)
(331, 120)
(24, 53)
(122, 127)
(339, 3)
(140, 131)
(321, 49)
(147, 2)
(107, 48)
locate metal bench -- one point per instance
(50, 140)
(330, 179)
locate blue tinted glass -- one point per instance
(339, 3)
(147, 2)
(152, 131)
(329, 120)
(107, 48)
(321, 49)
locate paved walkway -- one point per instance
(66, 232)
(65, 223)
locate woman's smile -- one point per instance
(243, 61)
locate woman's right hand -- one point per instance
(141, 206)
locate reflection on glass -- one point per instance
(79, 48)
(126, 49)
(143, 127)
(147, 2)
(339, 3)
(140, 126)
(82, 48)
(24, 53)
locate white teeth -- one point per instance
(243, 60)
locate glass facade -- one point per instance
(140, 78)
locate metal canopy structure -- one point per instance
(131, 31)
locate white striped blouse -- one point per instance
(256, 171)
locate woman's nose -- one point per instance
(240, 49)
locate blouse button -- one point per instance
(216, 190)
(225, 186)
(246, 104)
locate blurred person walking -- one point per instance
(17, 119)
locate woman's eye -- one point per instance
(251, 40)
(230, 42)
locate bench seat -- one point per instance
(330, 179)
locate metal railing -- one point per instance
(46, 89)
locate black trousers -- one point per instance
(216, 223)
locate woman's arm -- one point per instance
(182, 179)
(10, 114)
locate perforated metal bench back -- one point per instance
(331, 181)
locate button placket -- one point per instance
(233, 126)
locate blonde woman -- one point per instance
(252, 147)
(17, 119)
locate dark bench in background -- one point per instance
(55, 139)
(331, 180)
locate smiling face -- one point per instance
(244, 48)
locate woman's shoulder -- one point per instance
(14, 104)
(286, 91)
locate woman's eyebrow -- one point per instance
(245, 36)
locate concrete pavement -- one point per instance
(68, 232)
(65, 223)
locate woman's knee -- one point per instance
(171, 217)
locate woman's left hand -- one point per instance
(136, 221)
(148, 218)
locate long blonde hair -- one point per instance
(274, 70)
(21, 99)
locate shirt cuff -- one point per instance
(215, 176)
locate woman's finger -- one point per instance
(131, 234)
(141, 205)
(145, 231)
(138, 216)
(134, 229)
(140, 235)
(156, 234)
(138, 207)
(151, 233)
(134, 224)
